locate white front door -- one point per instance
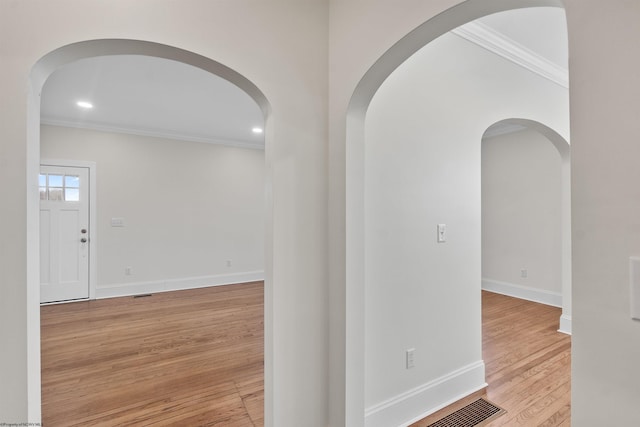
(64, 233)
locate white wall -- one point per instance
(187, 207)
(281, 47)
(605, 130)
(422, 168)
(605, 200)
(522, 216)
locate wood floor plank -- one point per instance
(254, 405)
(559, 417)
(192, 357)
(196, 357)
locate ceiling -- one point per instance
(157, 97)
(151, 96)
(542, 30)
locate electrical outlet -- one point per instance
(228, 263)
(127, 271)
(524, 273)
(411, 358)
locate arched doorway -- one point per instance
(39, 74)
(356, 205)
(562, 147)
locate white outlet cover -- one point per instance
(411, 358)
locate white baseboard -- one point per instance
(413, 405)
(137, 288)
(565, 324)
(523, 292)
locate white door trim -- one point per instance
(93, 215)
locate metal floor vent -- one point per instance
(475, 414)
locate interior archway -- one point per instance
(39, 74)
(563, 148)
(355, 185)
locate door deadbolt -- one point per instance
(83, 231)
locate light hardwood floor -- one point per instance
(196, 358)
(187, 358)
(528, 364)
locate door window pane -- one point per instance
(71, 194)
(72, 181)
(55, 180)
(55, 193)
(59, 187)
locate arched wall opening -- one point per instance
(40, 72)
(546, 296)
(390, 404)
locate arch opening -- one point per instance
(563, 204)
(39, 75)
(356, 205)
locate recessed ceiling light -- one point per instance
(257, 130)
(84, 104)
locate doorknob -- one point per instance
(83, 240)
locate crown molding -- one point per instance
(496, 42)
(151, 133)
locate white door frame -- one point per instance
(93, 216)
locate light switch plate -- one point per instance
(442, 233)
